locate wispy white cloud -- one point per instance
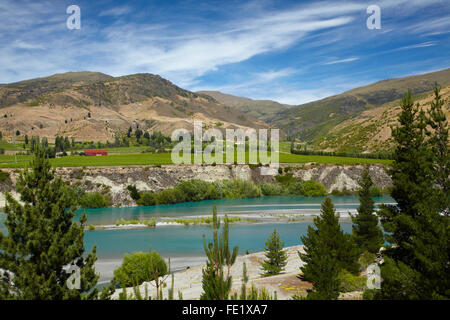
(275, 74)
(255, 80)
(27, 45)
(341, 61)
(419, 45)
(184, 52)
(116, 11)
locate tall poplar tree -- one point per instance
(42, 240)
(366, 232)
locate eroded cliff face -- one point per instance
(343, 177)
(114, 180)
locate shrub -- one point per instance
(168, 196)
(350, 282)
(136, 268)
(198, 190)
(295, 188)
(260, 294)
(195, 190)
(271, 189)
(335, 192)
(95, 200)
(375, 191)
(240, 189)
(4, 175)
(343, 192)
(285, 180)
(370, 294)
(146, 199)
(150, 223)
(311, 188)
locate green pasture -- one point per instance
(128, 159)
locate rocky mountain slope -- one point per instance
(370, 130)
(312, 121)
(94, 106)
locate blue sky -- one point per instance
(289, 51)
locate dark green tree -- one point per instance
(216, 281)
(438, 140)
(276, 257)
(138, 133)
(327, 251)
(42, 240)
(134, 193)
(366, 232)
(417, 261)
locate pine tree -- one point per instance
(216, 282)
(244, 283)
(275, 255)
(416, 263)
(321, 265)
(327, 251)
(438, 140)
(42, 239)
(366, 232)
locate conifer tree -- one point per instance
(438, 140)
(321, 265)
(275, 255)
(216, 281)
(42, 240)
(243, 295)
(327, 251)
(366, 232)
(417, 261)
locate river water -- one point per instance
(184, 244)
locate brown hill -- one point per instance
(259, 109)
(94, 106)
(370, 131)
(312, 121)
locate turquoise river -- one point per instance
(184, 244)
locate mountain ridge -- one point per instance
(259, 109)
(96, 106)
(309, 121)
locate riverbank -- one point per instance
(113, 181)
(286, 285)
